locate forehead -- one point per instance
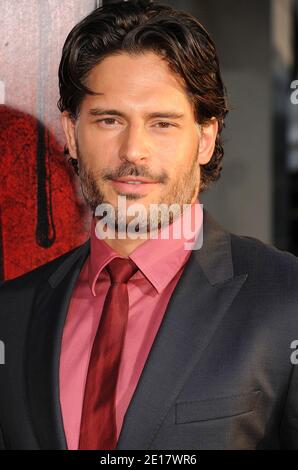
(137, 79)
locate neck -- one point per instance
(125, 245)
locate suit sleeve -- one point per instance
(2, 445)
(289, 423)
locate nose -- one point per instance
(134, 147)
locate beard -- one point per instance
(177, 193)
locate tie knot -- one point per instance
(121, 270)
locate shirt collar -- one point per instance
(158, 259)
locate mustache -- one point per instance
(129, 170)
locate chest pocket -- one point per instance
(215, 408)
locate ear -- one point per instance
(208, 135)
(68, 125)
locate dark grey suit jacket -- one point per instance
(218, 375)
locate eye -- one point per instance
(107, 121)
(165, 125)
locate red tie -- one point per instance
(98, 423)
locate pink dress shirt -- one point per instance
(161, 263)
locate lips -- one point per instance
(137, 185)
(139, 179)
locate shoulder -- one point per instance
(265, 264)
(253, 252)
(34, 277)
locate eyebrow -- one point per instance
(115, 112)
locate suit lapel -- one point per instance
(200, 300)
(44, 346)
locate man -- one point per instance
(192, 346)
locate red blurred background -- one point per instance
(42, 213)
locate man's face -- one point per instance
(141, 125)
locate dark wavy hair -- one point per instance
(138, 26)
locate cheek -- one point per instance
(87, 139)
(171, 148)
(180, 154)
(94, 151)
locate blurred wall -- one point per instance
(242, 199)
(42, 214)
